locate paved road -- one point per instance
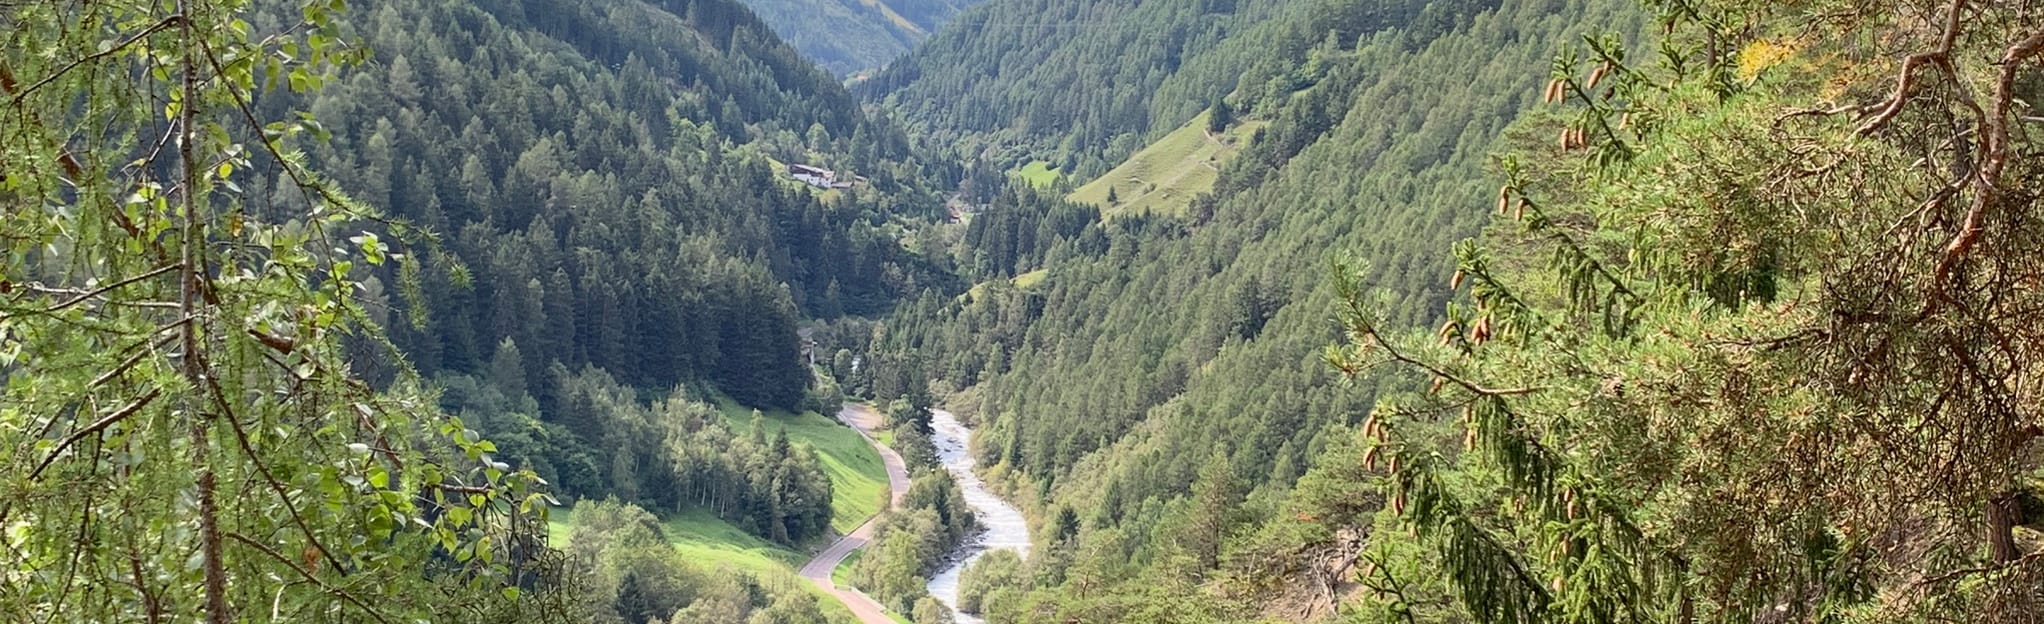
(863, 419)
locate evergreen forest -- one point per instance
(1020, 311)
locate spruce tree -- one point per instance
(1219, 116)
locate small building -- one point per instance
(817, 177)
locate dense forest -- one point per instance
(589, 200)
(1158, 389)
(1498, 311)
(1084, 84)
(850, 36)
(582, 223)
(1162, 356)
(538, 217)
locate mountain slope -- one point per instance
(597, 176)
(1168, 174)
(1166, 375)
(847, 36)
(587, 213)
(1084, 84)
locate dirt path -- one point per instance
(863, 419)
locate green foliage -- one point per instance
(1219, 116)
(1681, 380)
(847, 36)
(1018, 230)
(676, 454)
(909, 543)
(992, 571)
(858, 478)
(635, 575)
(186, 440)
(929, 611)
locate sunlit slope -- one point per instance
(1166, 175)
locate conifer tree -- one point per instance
(1743, 410)
(186, 439)
(1219, 116)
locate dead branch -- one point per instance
(1995, 147)
(1905, 83)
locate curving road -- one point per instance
(863, 419)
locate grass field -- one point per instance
(858, 489)
(1167, 174)
(1039, 173)
(1032, 279)
(704, 540)
(899, 21)
(843, 574)
(858, 480)
(1025, 281)
(713, 545)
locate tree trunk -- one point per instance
(2004, 512)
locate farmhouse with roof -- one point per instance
(817, 177)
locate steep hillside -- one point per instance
(1167, 175)
(587, 214)
(848, 36)
(596, 179)
(1084, 84)
(1166, 374)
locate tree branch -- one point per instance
(152, 29)
(1995, 147)
(96, 426)
(1962, 572)
(373, 614)
(1906, 82)
(241, 438)
(111, 287)
(1443, 373)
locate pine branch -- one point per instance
(1963, 572)
(1905, 82)
(344, 595)
(159, 26)
(1988, 178)
(99, 425)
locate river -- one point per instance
(1003, 524)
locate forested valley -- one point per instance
(856, 37)
(1016, 311)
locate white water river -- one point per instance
(1003, 524)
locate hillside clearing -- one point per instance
(1166, 175)
(1039, 174)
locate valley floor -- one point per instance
(865, 420)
